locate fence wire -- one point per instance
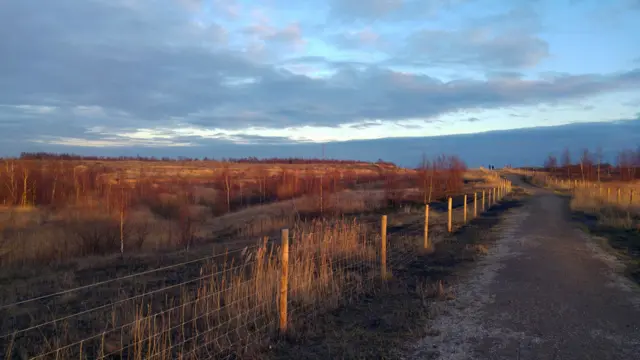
(224, 305)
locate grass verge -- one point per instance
(378, 324)
(621, 241)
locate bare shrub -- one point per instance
(96, 236)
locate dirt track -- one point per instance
(544, 291)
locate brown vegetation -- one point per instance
(589, 166)
(126, 261)
(604, 198)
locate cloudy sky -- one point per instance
(171, 74)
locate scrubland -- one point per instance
(604, 198)
(108, 258)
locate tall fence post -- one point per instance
(618, 196)
(475, 204)
(284, 280)
(450, 217)
(464, 220)
(427, 245)
(630, 196)
(483, 196)
(383, 247)
(608, 194)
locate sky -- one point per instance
(194, 75)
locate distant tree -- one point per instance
(427, 173)
(566, 161)
(599, 160)
(586, 164)
(551, 163)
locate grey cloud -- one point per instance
(360, 39)
(481, 149)
(475, 47)
(369, 9)
(472, 119)
(122, 68)
(504, 75)
(393, 10)
(257, 139)
(365, 125)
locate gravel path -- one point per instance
(544, 291)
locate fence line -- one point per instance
(226, 303)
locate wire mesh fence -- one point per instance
(224, 305)
(615, 204)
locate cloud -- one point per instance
(474, 47)
(370, 9)
(365, 124)
(395, 10)
(69, 68)
(357, 39)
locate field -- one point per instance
(609, 209)
(106, 258)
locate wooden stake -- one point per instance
(465, 209)
(284, 280)
(427, 245)
(483, 196)
(450, 225)
(475, 204)
(383, 247)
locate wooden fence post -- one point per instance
(608, 194)
(483, 196)
(450, 207)
(383, 247)
(475, 204)
(426, 228)
(284, 280)
(630, 196)
(464, 221)
(618, 196)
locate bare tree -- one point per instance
(599, 160)
(586, 163)
(25, 191)
(226, 178)
(424, 174)
(11, 184)
(566, 161)
(551, 163)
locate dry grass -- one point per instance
(229, 309)
(616, 205)
(609, 210)
(38, 235)
(185, 305)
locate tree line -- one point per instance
(590, 166)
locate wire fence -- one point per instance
(615, 204)
(228, 304)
